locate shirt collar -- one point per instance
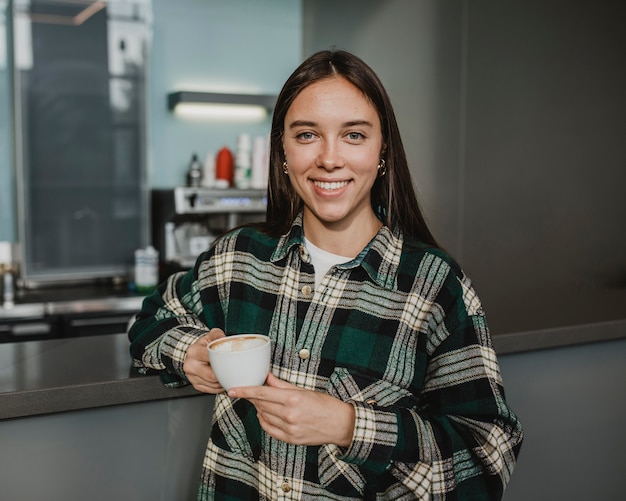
(295, 237)
(380, 258)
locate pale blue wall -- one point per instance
(241, 45)
(237, 46)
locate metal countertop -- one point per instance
(42, 305)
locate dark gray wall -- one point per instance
(545, 160)
(512, 115)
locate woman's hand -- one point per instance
(299, 416)
(197, 367)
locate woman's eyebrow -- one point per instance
(351, 123)
(302, 123)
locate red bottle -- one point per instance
(224, 168)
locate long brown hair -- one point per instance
(393, 197)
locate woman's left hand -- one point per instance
(299, 416)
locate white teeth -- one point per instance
(330, 186)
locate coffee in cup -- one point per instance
(240, 360)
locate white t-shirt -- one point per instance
(323, 261)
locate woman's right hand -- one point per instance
(197, 367)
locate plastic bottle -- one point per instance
(146, 269)
(224, 166)
(7, 280)
(243, 162)
(260, 163)
(8, 287)
(208, 170)
(194, 174)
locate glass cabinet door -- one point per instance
(79, 72)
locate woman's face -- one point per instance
(332, 143)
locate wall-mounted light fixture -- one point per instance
(220, 106)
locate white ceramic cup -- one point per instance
(240, 360)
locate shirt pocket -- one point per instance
(353, 385)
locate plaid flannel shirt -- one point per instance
(398, 332)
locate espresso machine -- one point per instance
(186, 220)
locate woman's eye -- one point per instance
(305, 136)
(355, 136)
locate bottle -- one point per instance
(7, 283)
(8, 286)
(224, 165)
(194, 174)
(260, 163)
(170, 242)
(146, 269)
(208, 170)
(243, 162)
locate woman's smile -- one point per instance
(330, 186)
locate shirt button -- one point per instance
(306, 290)
(304, 353)
(285, 487)
(371, 401)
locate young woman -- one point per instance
(384, 383)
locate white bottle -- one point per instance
(8, 287)
(170, 241)
(7, 280)
(146, 269)
(260, 163)
(243, 162)
(208, 170)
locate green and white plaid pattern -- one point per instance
(398, 332)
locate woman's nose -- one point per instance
(330, 156)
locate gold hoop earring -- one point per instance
(285, 168)
(382, 168)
